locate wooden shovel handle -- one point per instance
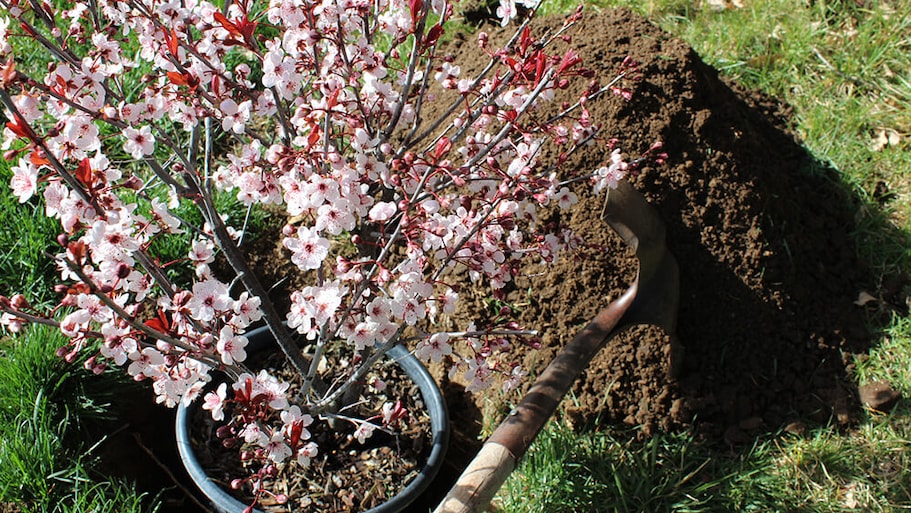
(498, 456)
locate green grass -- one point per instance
(612, 471)
(45, 450)
(26, 236)
(845, 68)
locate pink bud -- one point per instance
(20, 302)
(236, 484)
(288, 230)
(281, 498)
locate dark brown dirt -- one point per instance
(768, 272)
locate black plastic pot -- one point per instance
(433, 401)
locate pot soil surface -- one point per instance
(768, 273)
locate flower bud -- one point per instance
(20, 302)
(288, 230)
(236, 484)
(356, 239)
(342, 264)
(62, 239)
(281, 498)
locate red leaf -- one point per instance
(38, 159)
(525, 40)
(20, 127)
(177, 78)
(227, 24)
(539, 67)
(172, 42)
(416, 7)
(570, 59)
(161, 323)
(84, 173)
(332, 100)
(443, 147)
(313, 138)
(28, 30)
(247, 28)
(433, 35)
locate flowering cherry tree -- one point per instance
(314, 107)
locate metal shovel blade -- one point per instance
(651, 299)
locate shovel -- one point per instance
(651, 299)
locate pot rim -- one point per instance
(433, 402)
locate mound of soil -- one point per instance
(768, 273)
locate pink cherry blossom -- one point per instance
(24, 182)
(215, 402)
(306, 453)
(608, 176)
(231, 346)
(308, 248)
(434, 348)
(364, 431)
(139, 143)
(209, 298)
